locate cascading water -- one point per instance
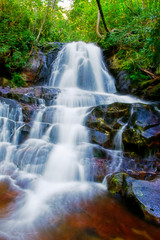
(56, 157)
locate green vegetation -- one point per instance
(133, 40)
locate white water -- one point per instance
(55, 157)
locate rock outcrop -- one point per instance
(27, 101)
(138, 142)
(141, 196)
(39, 66)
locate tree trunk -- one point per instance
(143, 3)
(97, 27)
(44, 18)
(35, 21)
(54, 4)
(102, 16)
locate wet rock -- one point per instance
(146, 195)
(107, 120)
(24, 133)
(106, 117)
(144, 116)
(123, 83)
(25, 107)
(117, 111)
(99, 169)
(38, 68)
(99, 152)
(11, 102)
(34, 68)
(99, 138)
(141, 195)
(143, 130)
(31, 95)
(115, 183)
(28, 112)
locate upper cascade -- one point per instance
(80, 65)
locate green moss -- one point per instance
(156, 90)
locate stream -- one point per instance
(47, 187)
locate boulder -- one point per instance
(34, 67)
(115, 183)
(143, 129)
(39, 66)
(142, 196)
(105, 120)
(99, 138)
(123, 83)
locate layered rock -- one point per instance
(29, 100)
(140, 137)
(107, 120)
(143, 130)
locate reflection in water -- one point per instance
(76, 211)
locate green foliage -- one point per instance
(17, 80)
(134, 36)
(20, 24)
(16, 39)
(136, 41)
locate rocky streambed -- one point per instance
(125, 139)
(137, 151)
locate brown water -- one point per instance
(100, 218)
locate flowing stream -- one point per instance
(53, 165)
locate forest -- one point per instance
(128, 31)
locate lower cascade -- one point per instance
(52, 170)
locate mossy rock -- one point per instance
(108, 117)
(143, 197)
(115, 183)
(142, 133)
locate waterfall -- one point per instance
(57, 147)
(117, 154)
(55, 158)
(10, 121)
(80, 65)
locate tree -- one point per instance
(44, 18)
(102, 16)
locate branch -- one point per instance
(54, 4)
(97, 26)
(130, 9)
(151, 74)
(44, 18)
(29, 54)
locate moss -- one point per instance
(115, 183)
(156, 90)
